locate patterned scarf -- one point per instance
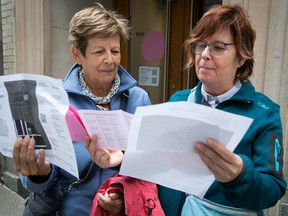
(99, 100)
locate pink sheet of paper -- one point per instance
(75, 125)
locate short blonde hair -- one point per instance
(96, 21)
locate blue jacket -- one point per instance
(78, 200)
(261, 183)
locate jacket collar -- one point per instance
(243, 95)
(71, 83)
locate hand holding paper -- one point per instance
(38, 106)
(35, 106)
(104, 158)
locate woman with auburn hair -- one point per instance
(249, 179)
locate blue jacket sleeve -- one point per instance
(262, 182)
(32, 186)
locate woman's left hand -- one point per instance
(224, 164)
(113, 202)
(103, 157)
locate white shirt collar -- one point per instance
(214, 101)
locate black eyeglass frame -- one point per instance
(211, 50)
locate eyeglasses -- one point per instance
(215, 48)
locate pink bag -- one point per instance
(141, 197)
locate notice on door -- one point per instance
(149, 76)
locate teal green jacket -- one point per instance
(261, 183)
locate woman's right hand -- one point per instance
(26, 161)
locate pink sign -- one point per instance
(153, 45)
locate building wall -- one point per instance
(270, 18)
(1, 49)
(8, 36)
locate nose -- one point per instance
(206, 53)
(108, 58)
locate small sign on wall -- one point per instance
(149, 76)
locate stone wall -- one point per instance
(8, 36)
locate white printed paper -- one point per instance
(36, 105)
(111, 127)
(162, 138)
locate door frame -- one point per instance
(182, 16)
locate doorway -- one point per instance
(154, 55)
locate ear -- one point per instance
(76, 54)
(241, 62)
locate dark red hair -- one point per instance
(226, 17)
